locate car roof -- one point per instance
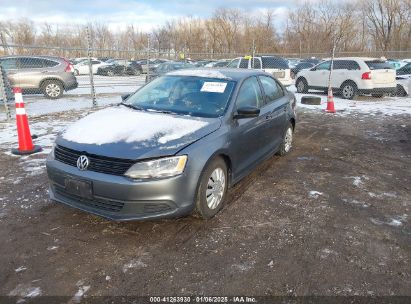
(222, 73)
(33, 56)
(357, 58)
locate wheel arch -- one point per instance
(43, 81)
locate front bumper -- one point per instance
(120, 198)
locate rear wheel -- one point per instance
(401, 91)
(349, 90)
(287, 143)
(52, 89)
(301, 85)
(212, 189)
(110, 73)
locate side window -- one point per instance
(30, 63)
(324, 66)
(272, 89)
(49, 63)
(250, 94)
(256, 64)
(9, 63)
(340, 65)
(233, 63)
(243, 63)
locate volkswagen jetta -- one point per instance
(174, 146)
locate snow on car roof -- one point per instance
(114, 125)
(208, 73)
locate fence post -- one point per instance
(148, 58)
(90, 67)
(3, 92)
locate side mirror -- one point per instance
(125, 96)
(247, 112)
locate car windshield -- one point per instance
(184, 95)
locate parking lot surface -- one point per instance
(331, 218)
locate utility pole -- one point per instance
(90, 67)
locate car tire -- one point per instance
(76, 72)
(52, 89)
(110, 73)
(287, 141)
(311, 100)
(301, 85)
(349, 90)
(212, 189)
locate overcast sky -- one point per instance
(144, 14)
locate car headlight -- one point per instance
(158, 168)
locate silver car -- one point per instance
(40, 74)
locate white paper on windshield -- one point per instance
(214, 87)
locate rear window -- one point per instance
(49, 63)
(378, 65)
(274, 63)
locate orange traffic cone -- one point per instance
(23, 131)
(330, 102)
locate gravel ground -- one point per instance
(331, 218)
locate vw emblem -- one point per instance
(82, 162)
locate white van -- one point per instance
(351, 76)
(276, 66)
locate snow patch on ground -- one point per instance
(394, 222)
(365, 105)
(25, 291)
(243, 266)
(121, 124)
(314, 194)
(82, 289)
(20, 269)
(134, 264)
(356, 203)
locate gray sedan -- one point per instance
(174, 146)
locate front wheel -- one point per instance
(212, 189)
(287, 143)
(110, 73)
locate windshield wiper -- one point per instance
(161, 111)
(131, 106)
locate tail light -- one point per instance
(366, 76)
(69, 67)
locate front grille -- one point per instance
(280, 74)
(98, 203)
(102, 164)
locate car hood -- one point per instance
(131, 134)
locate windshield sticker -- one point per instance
(214, 87)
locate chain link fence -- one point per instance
(63, 78)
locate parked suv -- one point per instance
(276, 66)
(40, 74)
(404, 80)
(351, 76)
